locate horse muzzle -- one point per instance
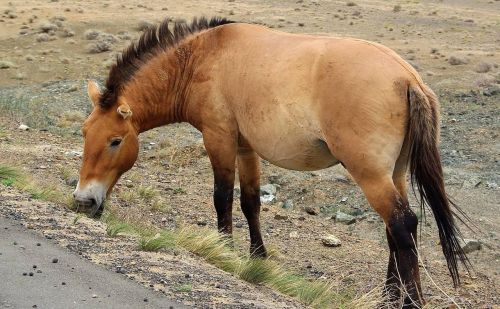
(90, 199)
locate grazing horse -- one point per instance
(301, 102)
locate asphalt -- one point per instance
(72, 282)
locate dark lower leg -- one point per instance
(250, 204)
(249, 172)
(392, 284)
(403, 227)
(223, 200)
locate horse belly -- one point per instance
(300, 153)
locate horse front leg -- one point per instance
(249, 173)
(221, 149)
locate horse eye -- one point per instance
(116, 142)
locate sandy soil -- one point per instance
(42, 84)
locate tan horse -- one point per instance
(301, 102)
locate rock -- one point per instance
(294, 234)
(472, 182)
(74, 154)
(267, 199)
(396, 8)
(344, 199)
(491, 185)
(288, 204)
(23, 127)
(454, 60)
(350, 3)
(341, 178)
(312, 210)
(268, 189)
(274, 179)
(344, 218)
(55, 260)
(72, 181)
(201, 222)
(470, 245)
(280, 217)
(72, 88)
(330, 241)
(6, 64)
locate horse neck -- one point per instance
(159, 93)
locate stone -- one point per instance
(268, 189)
(6, 64)
(280, 217)
(74, 154)
(312, 210)
(344, 218)
(23, 127)
(288, 204)
(294, 234)
(267, 199)
(472, 182)
(330, 241)
(72, 181)
(470, 245)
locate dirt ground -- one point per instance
(48, 51)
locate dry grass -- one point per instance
(216, 250)
(12, 176)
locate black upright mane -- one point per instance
(154, 40)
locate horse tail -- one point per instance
(427, 174)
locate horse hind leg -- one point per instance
(401, 227)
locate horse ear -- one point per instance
(124, 110)
(94, 92)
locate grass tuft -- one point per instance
(163, 240)
(115, 228)
(9, 175)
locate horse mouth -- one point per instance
(89, 207)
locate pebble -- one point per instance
(288, 204)
(470, 245)
(267, 199)
(268, 189)
(72, 181)
(280, 217)
(344, 218)
(294, 234)
(55, 260)
(330, 241)
(23, 127)
(94, 296)
(312, 210)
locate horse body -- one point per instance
(301, 102)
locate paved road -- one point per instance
(86, 285)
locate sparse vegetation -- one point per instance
(212, 247)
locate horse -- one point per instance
(301, 102)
